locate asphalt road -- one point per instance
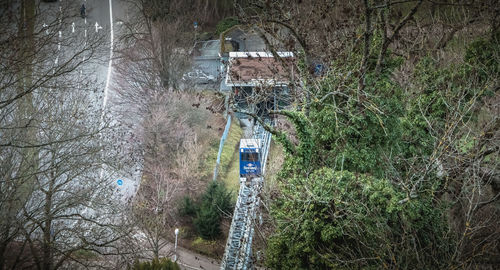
(106, 13)
(73, 32)
(102, 16)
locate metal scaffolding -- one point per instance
(238, 251)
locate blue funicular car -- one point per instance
(250, 157)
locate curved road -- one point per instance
(105, 13)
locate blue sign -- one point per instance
(119, 182)
(195, 25)
(318, 69)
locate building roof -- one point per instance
(249, 143)
(259, 68)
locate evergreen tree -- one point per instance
(214, 203)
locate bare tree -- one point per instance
(162, 31)
(154, 209)
(55, 200)
(161, 187)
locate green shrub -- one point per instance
(225, 24)
(156, 264)
(343, 201)
(484, 56)
(215, 201)
(188, 207)
(207, 222)
(340, 216)
(205, 247)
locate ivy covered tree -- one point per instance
(372, 179)
(392, 160)
(341, 204)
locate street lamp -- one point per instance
(175, 246)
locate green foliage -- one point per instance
(358, 187)
(444, 93)
(214, 203)
(207, 222)
(353, 130)
(332, 217)
(205, 247)
(225, 24)
(217, 196)
(188, 207)
(156, 264)
(344, 203)
(484, 56)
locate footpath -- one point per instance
(190, 260)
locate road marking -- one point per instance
(72, 27)
(97, 27)
(108, 78)
(59, 42)
(106, 88)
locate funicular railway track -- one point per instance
(238, 251)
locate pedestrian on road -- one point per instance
(82, 11)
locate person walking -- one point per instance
(82, 11)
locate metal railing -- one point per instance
(238, 251)
(221, 146)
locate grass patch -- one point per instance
(232, 177)
(205, 247)
(274, 162)
(229, 161)
(210, 160)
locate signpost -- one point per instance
(195, 25)
(318, 69)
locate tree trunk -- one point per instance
(388, 40)
(47, 238)
(47, 260)
(156, 248)
(366, 48)
(4, 243)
